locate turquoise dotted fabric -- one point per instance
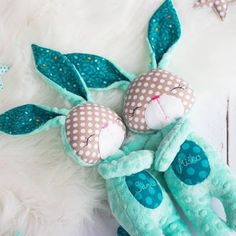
(145, 189)
(122, 232)
(58, 68)
(191, 164)
(96, 71)
(164, 29)
(3, 70)
(24, 119)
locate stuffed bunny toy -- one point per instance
(156, 106)
(92, 135)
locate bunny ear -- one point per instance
(99, 72)
(60, 73)
(163, 31)
(29, 118)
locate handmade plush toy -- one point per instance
(92, 134)
(157, 100)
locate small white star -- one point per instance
(220, 6)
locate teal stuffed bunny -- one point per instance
(92, 135)
(154, 105)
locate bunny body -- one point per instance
(194, 173)
(137, 200)
(196, 181)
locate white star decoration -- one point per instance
(220, 6)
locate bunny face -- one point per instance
(94, 132)
(156, 99)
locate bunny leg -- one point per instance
(176, 228)
(206, 220)
(147, 232)
(199, 211)
(225, 191)
(195, 201)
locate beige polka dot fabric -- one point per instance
(220, 6)
(83, 126)
(147, 87)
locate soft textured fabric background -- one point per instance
(42, 192)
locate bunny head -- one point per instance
(90, 132)
(94, 132)
(156, 99)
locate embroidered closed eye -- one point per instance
(87, 140)
(179, 87)
(131, 114)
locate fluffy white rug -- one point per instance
(42, 192)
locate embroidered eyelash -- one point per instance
(133, 112)
(87, 140)
(178, 87)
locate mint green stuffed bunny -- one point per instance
(154, 105)
(92, 135)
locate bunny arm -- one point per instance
(135, 143)
(126, 164)
(170, 144)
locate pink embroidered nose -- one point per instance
(155, 98)
(105, 126)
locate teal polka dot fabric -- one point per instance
(164, 29)
(58, 68)
(24, 119)
(145, 189)
(96, 71)
(122, 232)
(3, 70)
(191, 164)
(1, 85)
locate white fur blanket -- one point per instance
(43, 192)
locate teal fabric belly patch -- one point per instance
(191, 164)
(145, 189)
